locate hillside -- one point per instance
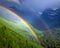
(15, 27)
(20, 28)
(11, 39)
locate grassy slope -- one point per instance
(11, 39)
(19, 28)
(13, 26)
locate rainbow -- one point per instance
(46, 27)
(27, 24)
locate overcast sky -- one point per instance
(41, 4)
(38, 4)
(33, 5)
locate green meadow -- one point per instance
(13, 36)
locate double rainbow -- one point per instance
(26, 23)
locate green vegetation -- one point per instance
(52, 40)
(13, 26)
(20, 28)
(10, 38)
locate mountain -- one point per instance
(51, 17)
